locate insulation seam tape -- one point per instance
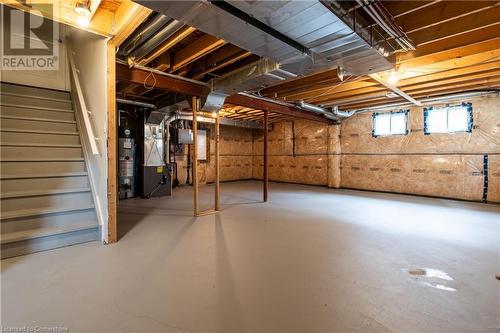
(485, 172)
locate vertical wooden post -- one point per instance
(266, 162)
(195, 154)
(217, 175)
(112, 235)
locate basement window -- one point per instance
(448, 119)
(391, 123)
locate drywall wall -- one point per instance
(90, 57)
(54, 35)
(348, 156)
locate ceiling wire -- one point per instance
(151, 73)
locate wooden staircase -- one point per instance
(46, 199)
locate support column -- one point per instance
(266, 162)
(217, 174)
(195, 153)
(112, 222)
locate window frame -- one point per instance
(376, 114)
(470, 118)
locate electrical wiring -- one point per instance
(151, 73)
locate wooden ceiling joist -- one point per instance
(458, 47)
(442, 12)
(459, 26)
(195, 51)
(402, 8)
(167, 44)
(172, 84)
(394, 89)
(129, 16)
(302, 82)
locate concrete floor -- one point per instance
(311, 260)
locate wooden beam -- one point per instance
(172, 84)
(442, 12)
(349, 94)
(168, 44)
(195, 104)
(329, 89)
(127, 18)
(274, 107)
(402, 8)
(457, 27)
(460, 56)
(217, 169)
(395, 89)
(139, 76)
(195, 50)
(163, 62)
(223, 63)
(112, 134)
(63, 11)
(451, 43)
(302, 82)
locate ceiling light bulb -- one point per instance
(83, 21)
(82, 7)
(393, 78)
(214, 114)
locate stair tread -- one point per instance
(35, 144)
(20, 194)
(39, 211)
(39, 119)
(47, 175)
(35, 97)
(28, 90)
(20, 130)
(62, 159)
(46, 231)
(24, 106)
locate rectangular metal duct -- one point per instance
(321, 40)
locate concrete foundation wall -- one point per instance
(348, 156)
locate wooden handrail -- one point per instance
(88, 129)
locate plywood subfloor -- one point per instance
(311, 260)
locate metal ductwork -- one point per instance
(383, 18)
(293, 38)
(330, 113)
(153, 24)
(261, 73)
(135, 103)
(149, 37)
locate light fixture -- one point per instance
(82, 7)
(341, 73)
(214, 114)
(393, 78)
(83, 21)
